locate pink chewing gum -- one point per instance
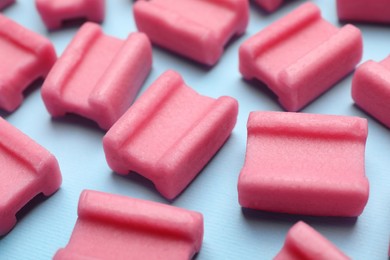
(25, 56)
(269, 5)
(55, 12)
(196, 29)
(376, 11)
(371, 89)
(305, 243)
(5, 3)
(118, 227)
(300, 56)
(305, 164)
(98, 76)
(169, 134)
(27, 169)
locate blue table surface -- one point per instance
(230, 232)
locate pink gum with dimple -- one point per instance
(5, 3)
(27, 169)
(376, 11)
(118, 227)
(371, 89)
(25, 56)
(269, 5)
(305, 164)
(98, 76)
(196, 29)
(300, 56)
(305, 243)
(169, 134)
(55, 12)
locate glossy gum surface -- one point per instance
(371, 89)
(98, 76)
(305, 164)
(196, 29)
(300, 56)
(27, 169)
(25, 56)
(169, 134)
(118, 227)
(55, 12)
(305, 243)
(376, 11)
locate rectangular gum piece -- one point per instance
(169, 134)
(196, 29)
(300, 56)
(300, 163)
(55, 12)
(97, 76)
(5, 3)
(27, 169)
(25, 56)
(375, 11)
(118, 227)
(371, 89)
(305, 243)
(269, 5)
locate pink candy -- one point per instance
(5, 3)
(377, 11)
(117, 227)
(304, 243)
(27, 169)
(305, 164)
(169, 134)
(98, 76)
(371, 89)
(25, 56)
(55, 12)
(196, 29)
(269, 5)
(301, 56)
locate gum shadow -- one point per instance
(260, 87)
(265, 13)
(362, 113)
(28, 208)
(70, 23)
(182, 59)
(76, 120)
(34, 86)
(256, 215)
(4, 114)
(140, 180)
(365, 25)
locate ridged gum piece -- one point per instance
(118, 227)
(27, 169)
(305, 243)
(169, 134)
(98, 76)
(300, 56)
(55, 12)
(373, 11)
(371, 89)
(25, 56)
(305, 164)
(196, 29)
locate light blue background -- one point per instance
(230, 233)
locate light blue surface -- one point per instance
(230, 233)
